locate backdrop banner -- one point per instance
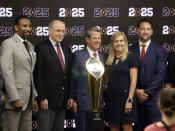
(109, 15)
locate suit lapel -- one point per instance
(32, 52)
(21, 47)
(86, 54)
(101, 57)
(148, 53)
(53, 52)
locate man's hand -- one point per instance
(17, 105)
(35, 107)
(70, 103)
(141, 95)
(74, 108)
(44, 105)
(3, 97)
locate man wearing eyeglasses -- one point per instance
(52, 74)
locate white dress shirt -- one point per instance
(91, 53)
(147, 44)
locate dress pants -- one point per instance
(51, 120)
(80, 118)
(17, 120)
(147, 114)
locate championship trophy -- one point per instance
(94, 118)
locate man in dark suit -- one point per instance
(52, 75)
(80, 76)
(151, 74)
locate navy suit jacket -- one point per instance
(152, 72)
(79, 83)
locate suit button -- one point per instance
(63, 88)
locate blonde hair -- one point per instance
(112, 50)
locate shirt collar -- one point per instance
(21, 39)
(146, 43)
(53, 42)
(91, 52)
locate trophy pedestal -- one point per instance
(94, 121)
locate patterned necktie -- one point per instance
(27, 48)
(60, 56)
(143, 52)
(95, 55)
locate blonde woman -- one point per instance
(122, 78)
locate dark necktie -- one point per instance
(27, 48)
(143, 52)
(60, 57)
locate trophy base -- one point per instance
(94, 121)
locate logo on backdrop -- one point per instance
(106, 12)
(169, 47)
(36, 12)
(70, 31)
(166, 11)
(108, 30)
(131, 30)
(6, 31)
(140, 12)
(75, 30)
(71, 12)
(40, 31)
(77, 47)
(168, 29)
(6, 12)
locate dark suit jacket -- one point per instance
(152, 72)
(171, 68)
(51, 81)
(80, 78)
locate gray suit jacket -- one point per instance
(17, 69)
(1, 79)
(1, 86)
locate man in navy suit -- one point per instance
(151, 74)
(80, 75)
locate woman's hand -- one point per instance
(128, 107)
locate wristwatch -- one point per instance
(129, 100)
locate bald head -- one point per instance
(52, 23)
(57, 30)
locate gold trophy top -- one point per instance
(95, 67)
